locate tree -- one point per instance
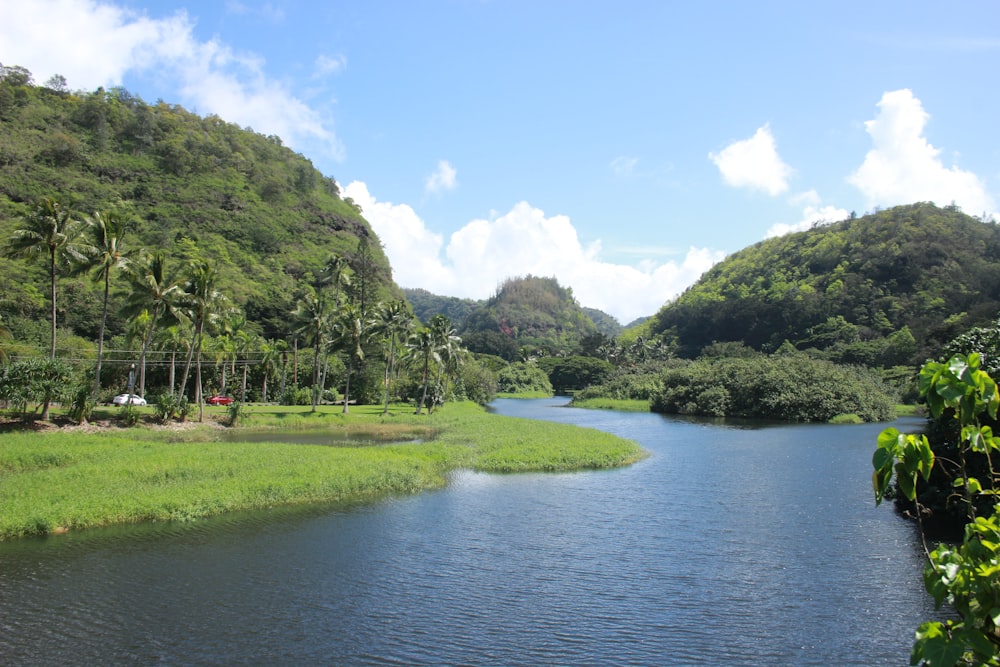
(394, 324)
(5, 336)
(448, 344)
(336, 274)
(51, 231)
(313, 321)
(350, 327)
(966, 576)
(422, 344)
(155, 293)
(270, 351)
(436, 342)
(104, 254)
(203, 303)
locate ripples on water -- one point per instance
(728, 546)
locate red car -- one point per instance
(220, 400)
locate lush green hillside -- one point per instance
(884, 289)
(426, 305)
(202, 188)
(606, 324)
(532, 314)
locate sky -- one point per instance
(622, 147)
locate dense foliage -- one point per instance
(204, 188)
(526, 317)
(965, 576)
(426, 305)
(786, 387)
(881, 290)
(523, 377)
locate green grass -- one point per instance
(525, 394)
(63, 479)
(624, 405)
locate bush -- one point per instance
(786, 388)
(569, 373)
(521, 378)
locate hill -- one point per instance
(887, 288)
(528, 312)
(202, 187)
(426, 305)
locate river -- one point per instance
(730, 545)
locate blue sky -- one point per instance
(622, 147)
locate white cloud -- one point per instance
(330, 64)
(754, 163)
(623, 165)
(903, 167)
(44, 37)
(524, 240)
(813, 213)
(442, 179)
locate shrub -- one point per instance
(777, 387)
(521, 378)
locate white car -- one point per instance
(122, 399)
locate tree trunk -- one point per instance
(52, 347)
(100, 340)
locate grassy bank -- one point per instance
(64, 479)
(623, 405)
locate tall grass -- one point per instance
(56, 481)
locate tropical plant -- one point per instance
(393, 326)
(50, 231)
(103, 254)
(965, 576)
(350, 328)
(203, 303)
(313, 321)
(155, 296)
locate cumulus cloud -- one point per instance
(903, 167)
(442, 179)
(524, 240)
(44, 37)
(813, 213)
(754, 163)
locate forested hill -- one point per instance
(884, 289)
(532, 313)
(202, 187)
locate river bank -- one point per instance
(53, 480)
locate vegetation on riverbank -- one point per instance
(64, 479)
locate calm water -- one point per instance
(728, 546)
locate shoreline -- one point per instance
(57, 479)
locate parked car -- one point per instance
(220, 400)
(122, 399)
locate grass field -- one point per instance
(62, 479)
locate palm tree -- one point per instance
(281, 347)
(336, 273)
(156, 294)
(173, 339)
(4, 336)
(394, 324)
(203, 304)
(269, 354)
(313, 320)
(447, 344)
(52, 231)
(103, 255)
(350, 327)
(422, 343)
